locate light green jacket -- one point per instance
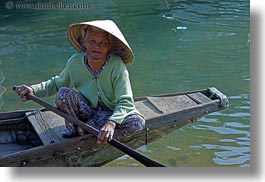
(112, 84)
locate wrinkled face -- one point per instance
(97, 44)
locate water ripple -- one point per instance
(220, 129)
(229, 155)
(173, 148)
(218, 13)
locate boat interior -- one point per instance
(17, 134)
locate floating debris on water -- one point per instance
(179, 28)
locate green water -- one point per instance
(179, 46)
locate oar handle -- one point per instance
(127, 150)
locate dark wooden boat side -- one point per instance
(83, 151)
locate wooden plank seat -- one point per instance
(48, 126)
(171, 104)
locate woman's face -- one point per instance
(97, 45)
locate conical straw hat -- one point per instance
(120, 46)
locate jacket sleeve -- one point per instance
(123, 95)
(51, 86)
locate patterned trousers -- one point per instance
(74, 104)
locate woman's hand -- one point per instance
(106, 133)
(23, 90)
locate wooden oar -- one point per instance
(127, 150)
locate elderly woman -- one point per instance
(94, 86)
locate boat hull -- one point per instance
(164, 114)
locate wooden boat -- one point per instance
(33, 137)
